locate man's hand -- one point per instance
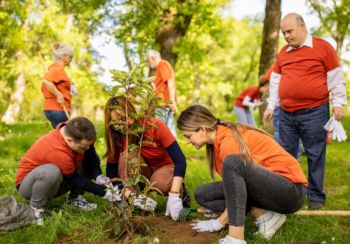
(173, 108)
(268, 115)
(60, 100)
(338, 113)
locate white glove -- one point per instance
(117, 196)
(212, 225)
(210, 214)
(139, 201)
(102, 179)
(73, 90)
(336, 130)
(174, 206)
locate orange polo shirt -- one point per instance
(57, 75)
(264, 150)
(164, 73)
(252, 92)
(50, 149)
(267, 75)
(155, 156)
(303, 71)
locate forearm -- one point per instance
(84, 184)
(52, 88)
(177, 184)
(171, 89)
(223, 219)
(93, 162)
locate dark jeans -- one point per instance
(244, 187)
(308, 124)
(55, 117)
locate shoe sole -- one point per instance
(277, 225)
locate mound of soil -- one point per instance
(167, 231)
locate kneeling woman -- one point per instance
(259, 177)
(166, 162)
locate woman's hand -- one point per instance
(60, 99)
(212, 225)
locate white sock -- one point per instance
(234, 240)
(266, 217)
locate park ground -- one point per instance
(16, 139)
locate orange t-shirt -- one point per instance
(164, 73)
(303, 71)
(252, 92)
(58, 76)
(267, 75)
(155, 156)
(49, 149)
(264, 150)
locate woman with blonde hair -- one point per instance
(57, 88)
(166, 162)
(259, 177)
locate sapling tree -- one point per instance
(139, 93)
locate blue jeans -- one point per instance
(276, 122)
(168, 119)
(244, 115)
(55, 117)
(308, 124)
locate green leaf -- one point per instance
(151, 143)
(113, 122)
(110, 217)
(149, 138)
(154, 125)
(137, 179)
(152, 78)
(116, 228)
(147, 227)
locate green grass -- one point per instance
(16, 140)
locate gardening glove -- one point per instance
(117, 196)
(146, 204)
(330, 127)
(341, 135)
(174, 206)
(102, 179)
(212, 225)
(73, 90)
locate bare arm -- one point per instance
(172, 90)
(177, 183)
(53, 89)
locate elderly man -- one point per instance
(306, 70)
(165, 82)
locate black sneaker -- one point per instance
(186, 200)
(314, 205)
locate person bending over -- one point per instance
(63, 160)
(259, 177)
(166, 162)
(249, 98)
(56, 87)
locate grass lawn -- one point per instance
(16, 140)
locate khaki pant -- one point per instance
(163, 176)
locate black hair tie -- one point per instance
(218, 123)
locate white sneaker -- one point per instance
(81, 203)
(38, 216)
(210, 214)
(268, 229)
(230, 240)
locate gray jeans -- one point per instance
(44, 183)
(244, 187)
(244, 115)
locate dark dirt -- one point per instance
(167, 231)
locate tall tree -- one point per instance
(269, 49)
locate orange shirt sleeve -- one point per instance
(330, 58)
(56, 75)
(166, 71)
(61, 160)
(228, 146)
(163, 134)
(277, 67)
(252, 91)
(268, 73)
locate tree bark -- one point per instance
(339, 40)
(269, 49)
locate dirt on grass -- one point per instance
(163, 228)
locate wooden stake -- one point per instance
(64, 106)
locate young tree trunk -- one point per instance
(16, 101)
(269, 49)
(340, 40)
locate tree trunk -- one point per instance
(339, 40)
(269, 49)
(196, 92)
(126, 55)
(170, 33)
(16, 101)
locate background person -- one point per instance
(166, 162)
(61, 161)
(164, 82)
(306, 70)
(249, 98)
(57, 86)
(258, 176)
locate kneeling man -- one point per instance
(63, 160)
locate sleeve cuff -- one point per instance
(270, 106)
(337, 105)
